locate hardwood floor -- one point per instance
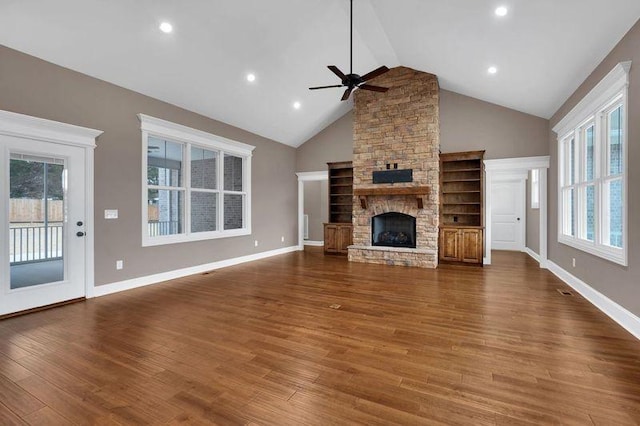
(259, 344)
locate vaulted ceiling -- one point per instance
(543, 50)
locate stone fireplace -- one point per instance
(399, 130)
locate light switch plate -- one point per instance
(111, 214)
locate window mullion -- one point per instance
(187, 183)
(221, 190)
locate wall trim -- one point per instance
(508, 168)
(116, 287)
(314, 243)
(615, 81)
(302, 178)
(533, 254)
(28, 127)
(622, 316)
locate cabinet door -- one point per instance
(471, 250)
(331, 239)
(449, 244)
(345, 238)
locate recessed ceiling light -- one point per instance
(297, 105)
(166, 27)
(492, 70)
(251, 78)
(501, 11)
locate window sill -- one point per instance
(612, 254)
(181, 238)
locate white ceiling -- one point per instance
(543, 49)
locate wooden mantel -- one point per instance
(420, 192)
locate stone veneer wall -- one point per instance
(400, 126)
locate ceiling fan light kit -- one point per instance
(354, 81)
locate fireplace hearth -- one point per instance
(393, 230)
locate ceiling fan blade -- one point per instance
(337, 72)
(373, 88)
(325, 87)
(375, 73)
(347, 93)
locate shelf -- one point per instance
(460, 180)
(465, 203)
(460, 192)
(461, 170)
(420, 192)
(340, 192)
(461, 214)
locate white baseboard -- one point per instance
(116, 287)
(532, 253)
(622, 316)
(314, 243)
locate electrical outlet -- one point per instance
(573, 262)
(119, 264)
(255, 243)
(282, 239)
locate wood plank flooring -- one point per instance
(259, 344)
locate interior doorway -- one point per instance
(310, 185)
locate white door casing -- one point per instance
(302, 178)
(516, 169)
(21, 134)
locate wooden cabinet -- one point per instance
(464, 245)
(337, 237)
(461, 207)
(338, 233)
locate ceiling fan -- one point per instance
(354, 81)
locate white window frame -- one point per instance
(593, 109)
(188, 137)
(535, 188)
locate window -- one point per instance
(196, 185)
(592, 171)
(535, 189)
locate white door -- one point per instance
(42, 187)
(507, 215)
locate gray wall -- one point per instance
(469, 124)
(334, 143)
(466, 124)
(34, 87)
(619, 283)
(533, 222)
(316, 205)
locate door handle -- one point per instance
(80, 234)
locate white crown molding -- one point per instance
(159, 127)
(25, 126)
(103, 290)
(312, 176)
(622, 316)
(520, 163)
(612, 83)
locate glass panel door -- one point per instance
(42, 223)
(36, 220)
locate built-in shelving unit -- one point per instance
(338, 232)
(461, 207)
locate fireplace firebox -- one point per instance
(393, 230)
